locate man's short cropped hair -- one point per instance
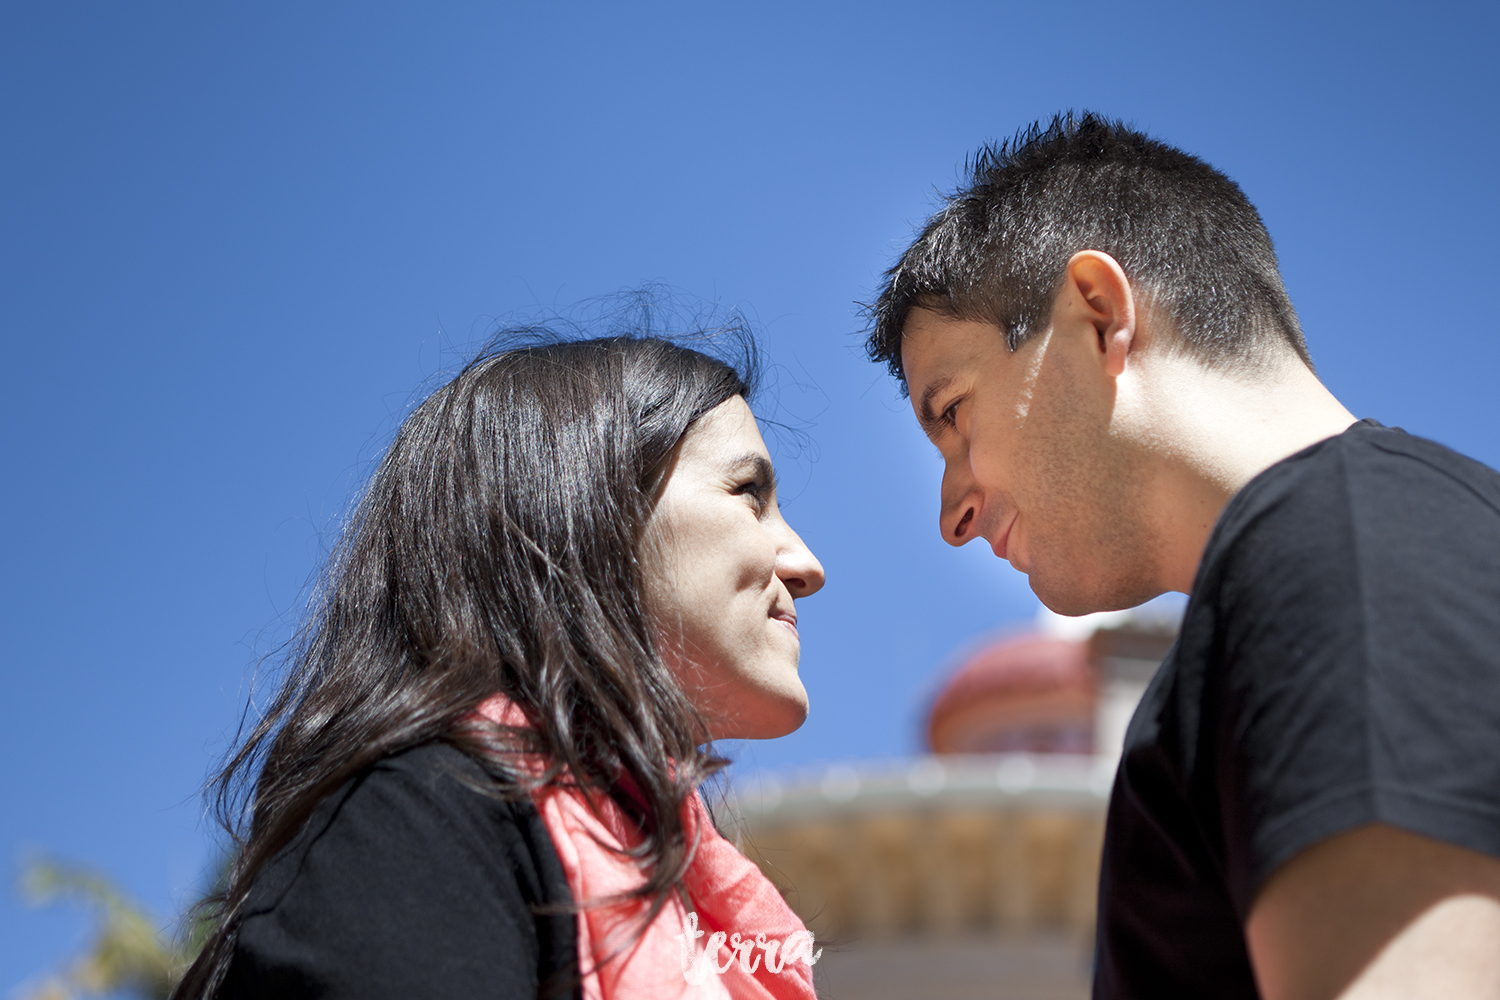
(1186, 236)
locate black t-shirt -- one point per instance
(1338, 665)
(408, 883)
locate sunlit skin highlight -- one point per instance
(724, 570)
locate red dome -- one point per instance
(1029, 694)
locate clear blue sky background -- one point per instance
(235, 239)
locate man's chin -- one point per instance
(1075, 598)
(1068, 608)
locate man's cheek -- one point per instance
(987, 469)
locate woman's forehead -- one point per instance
(727, 434)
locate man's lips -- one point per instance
(787, 618)
(1001, 545)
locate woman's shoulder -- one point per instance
(432, 801)
(414, 864)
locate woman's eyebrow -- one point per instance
(760, 463)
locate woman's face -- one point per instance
(723, 568)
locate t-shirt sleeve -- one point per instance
(1360, 637)
(417, 886)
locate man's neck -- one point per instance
(1211, 433)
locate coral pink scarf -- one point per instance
(739, 940)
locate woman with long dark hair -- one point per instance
(568, 576)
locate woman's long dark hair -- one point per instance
(494, 550)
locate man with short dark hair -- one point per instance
(1095, 335)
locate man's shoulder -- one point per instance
(1371, 486)
(1389, 453)
(1377, 461)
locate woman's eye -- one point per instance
(950, 416)
(755, 489)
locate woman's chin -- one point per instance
(768, 719)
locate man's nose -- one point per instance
(961, 505)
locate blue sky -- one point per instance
(235, 241)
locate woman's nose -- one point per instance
(797, 567)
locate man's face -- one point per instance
(1030, 463)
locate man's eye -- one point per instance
(949, 416)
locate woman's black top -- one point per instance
(410, 882)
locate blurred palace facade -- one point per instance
(971, 871)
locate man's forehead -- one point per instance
(935, 347)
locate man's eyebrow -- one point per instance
(925, 416)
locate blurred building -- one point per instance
(971, 871)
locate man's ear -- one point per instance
(1103, 295)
